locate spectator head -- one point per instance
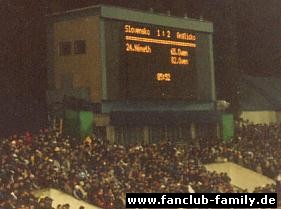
(66, 206)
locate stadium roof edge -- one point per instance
(128, 14)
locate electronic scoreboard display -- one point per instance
(152, 62)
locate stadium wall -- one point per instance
(262, 117)
(77, 71)
(241, 177)
(62, 198)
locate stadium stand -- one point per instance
(100, 173)
(241, 177)
(260, 93)
(260, 99)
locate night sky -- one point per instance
(247, 39)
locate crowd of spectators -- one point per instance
(101, 173)
(256, 146)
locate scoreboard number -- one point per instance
(163, 77)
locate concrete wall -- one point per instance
(262, 116)
(62, 198)
(83, 69)
(241, 177)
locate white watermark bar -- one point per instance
(201, 200)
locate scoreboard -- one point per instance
(159, 61)
(153, 62)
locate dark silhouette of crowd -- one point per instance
(101, 173)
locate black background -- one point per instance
(141, 69)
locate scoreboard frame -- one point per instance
(136, 29)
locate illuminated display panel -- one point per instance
(153, 62)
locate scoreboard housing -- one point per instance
(155, 62)
(120, 62)
(158, 62)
